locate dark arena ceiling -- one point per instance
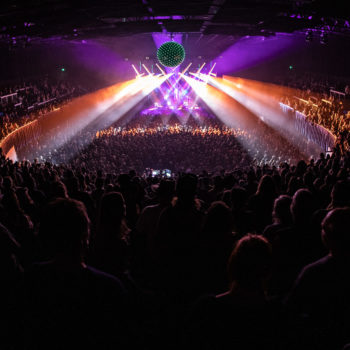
(40, 19)
(128, 27)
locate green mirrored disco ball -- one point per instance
(171, 54)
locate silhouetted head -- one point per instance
(250, 262)
(9, 250)
(336, 231)
(302, 207)
(186, 187)
(7, 183)
(340, 194)
(238, 197)
(73, 185)
(124, 180)
(281, 209)
(64, 228)
(301, 167)
(166, 190)
(266, 186)
(218, 218)
(59, 190)
(99, 183)
(112, 207)
(218, 181)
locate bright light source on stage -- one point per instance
(63, 69)
(290, 67)
(198, 86)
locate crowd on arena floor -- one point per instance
(33, 99)
(163, 243)
(178, 148)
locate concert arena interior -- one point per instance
(175, 174)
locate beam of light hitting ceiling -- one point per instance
(104, 106)
(98, 57)
(161, 38)
(251, 51)
(231, 113)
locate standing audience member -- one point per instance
(66, 302)
(320, 297)
(242, 317)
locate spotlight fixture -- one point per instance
(309, 36)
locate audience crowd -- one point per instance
(179, 147)
(31, 100)
(251, 258)
(322, 102)
(231, 251)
